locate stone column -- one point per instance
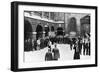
(42, 14)
(34, 35)
(43, 34)
(66, 20)
(49, 16)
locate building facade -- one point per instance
(40, 20)
(71, 23)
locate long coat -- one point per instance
(56, 54)
(76, 53)
(48, 56)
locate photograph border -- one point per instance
(14, 35)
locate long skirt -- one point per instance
(76, 55)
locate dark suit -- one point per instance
(79, 46)
(48, 56)
(56, 53)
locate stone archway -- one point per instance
(27, 36)
(60, 31)
(72, 25)
(46, 29)
(52, 28)
(39, 30)
(27, 29)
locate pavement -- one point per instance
(65, 54)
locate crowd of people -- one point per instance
(80, 45)
(40, 43)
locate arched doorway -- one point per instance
(27, 36)
(46, 29)
(52, 28)
(85, 25)
(59, 30)
(27, 29)
(72, 24)
(39, 31)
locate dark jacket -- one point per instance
(56, 53)
(76, 53)
(48, 56)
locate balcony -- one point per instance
(45, 16)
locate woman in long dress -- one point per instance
(76, 52)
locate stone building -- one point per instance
(74, 21)
(36, 23)
(85, 25)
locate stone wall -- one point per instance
(35, 22)
(77, 16)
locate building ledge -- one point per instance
(43, 19)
